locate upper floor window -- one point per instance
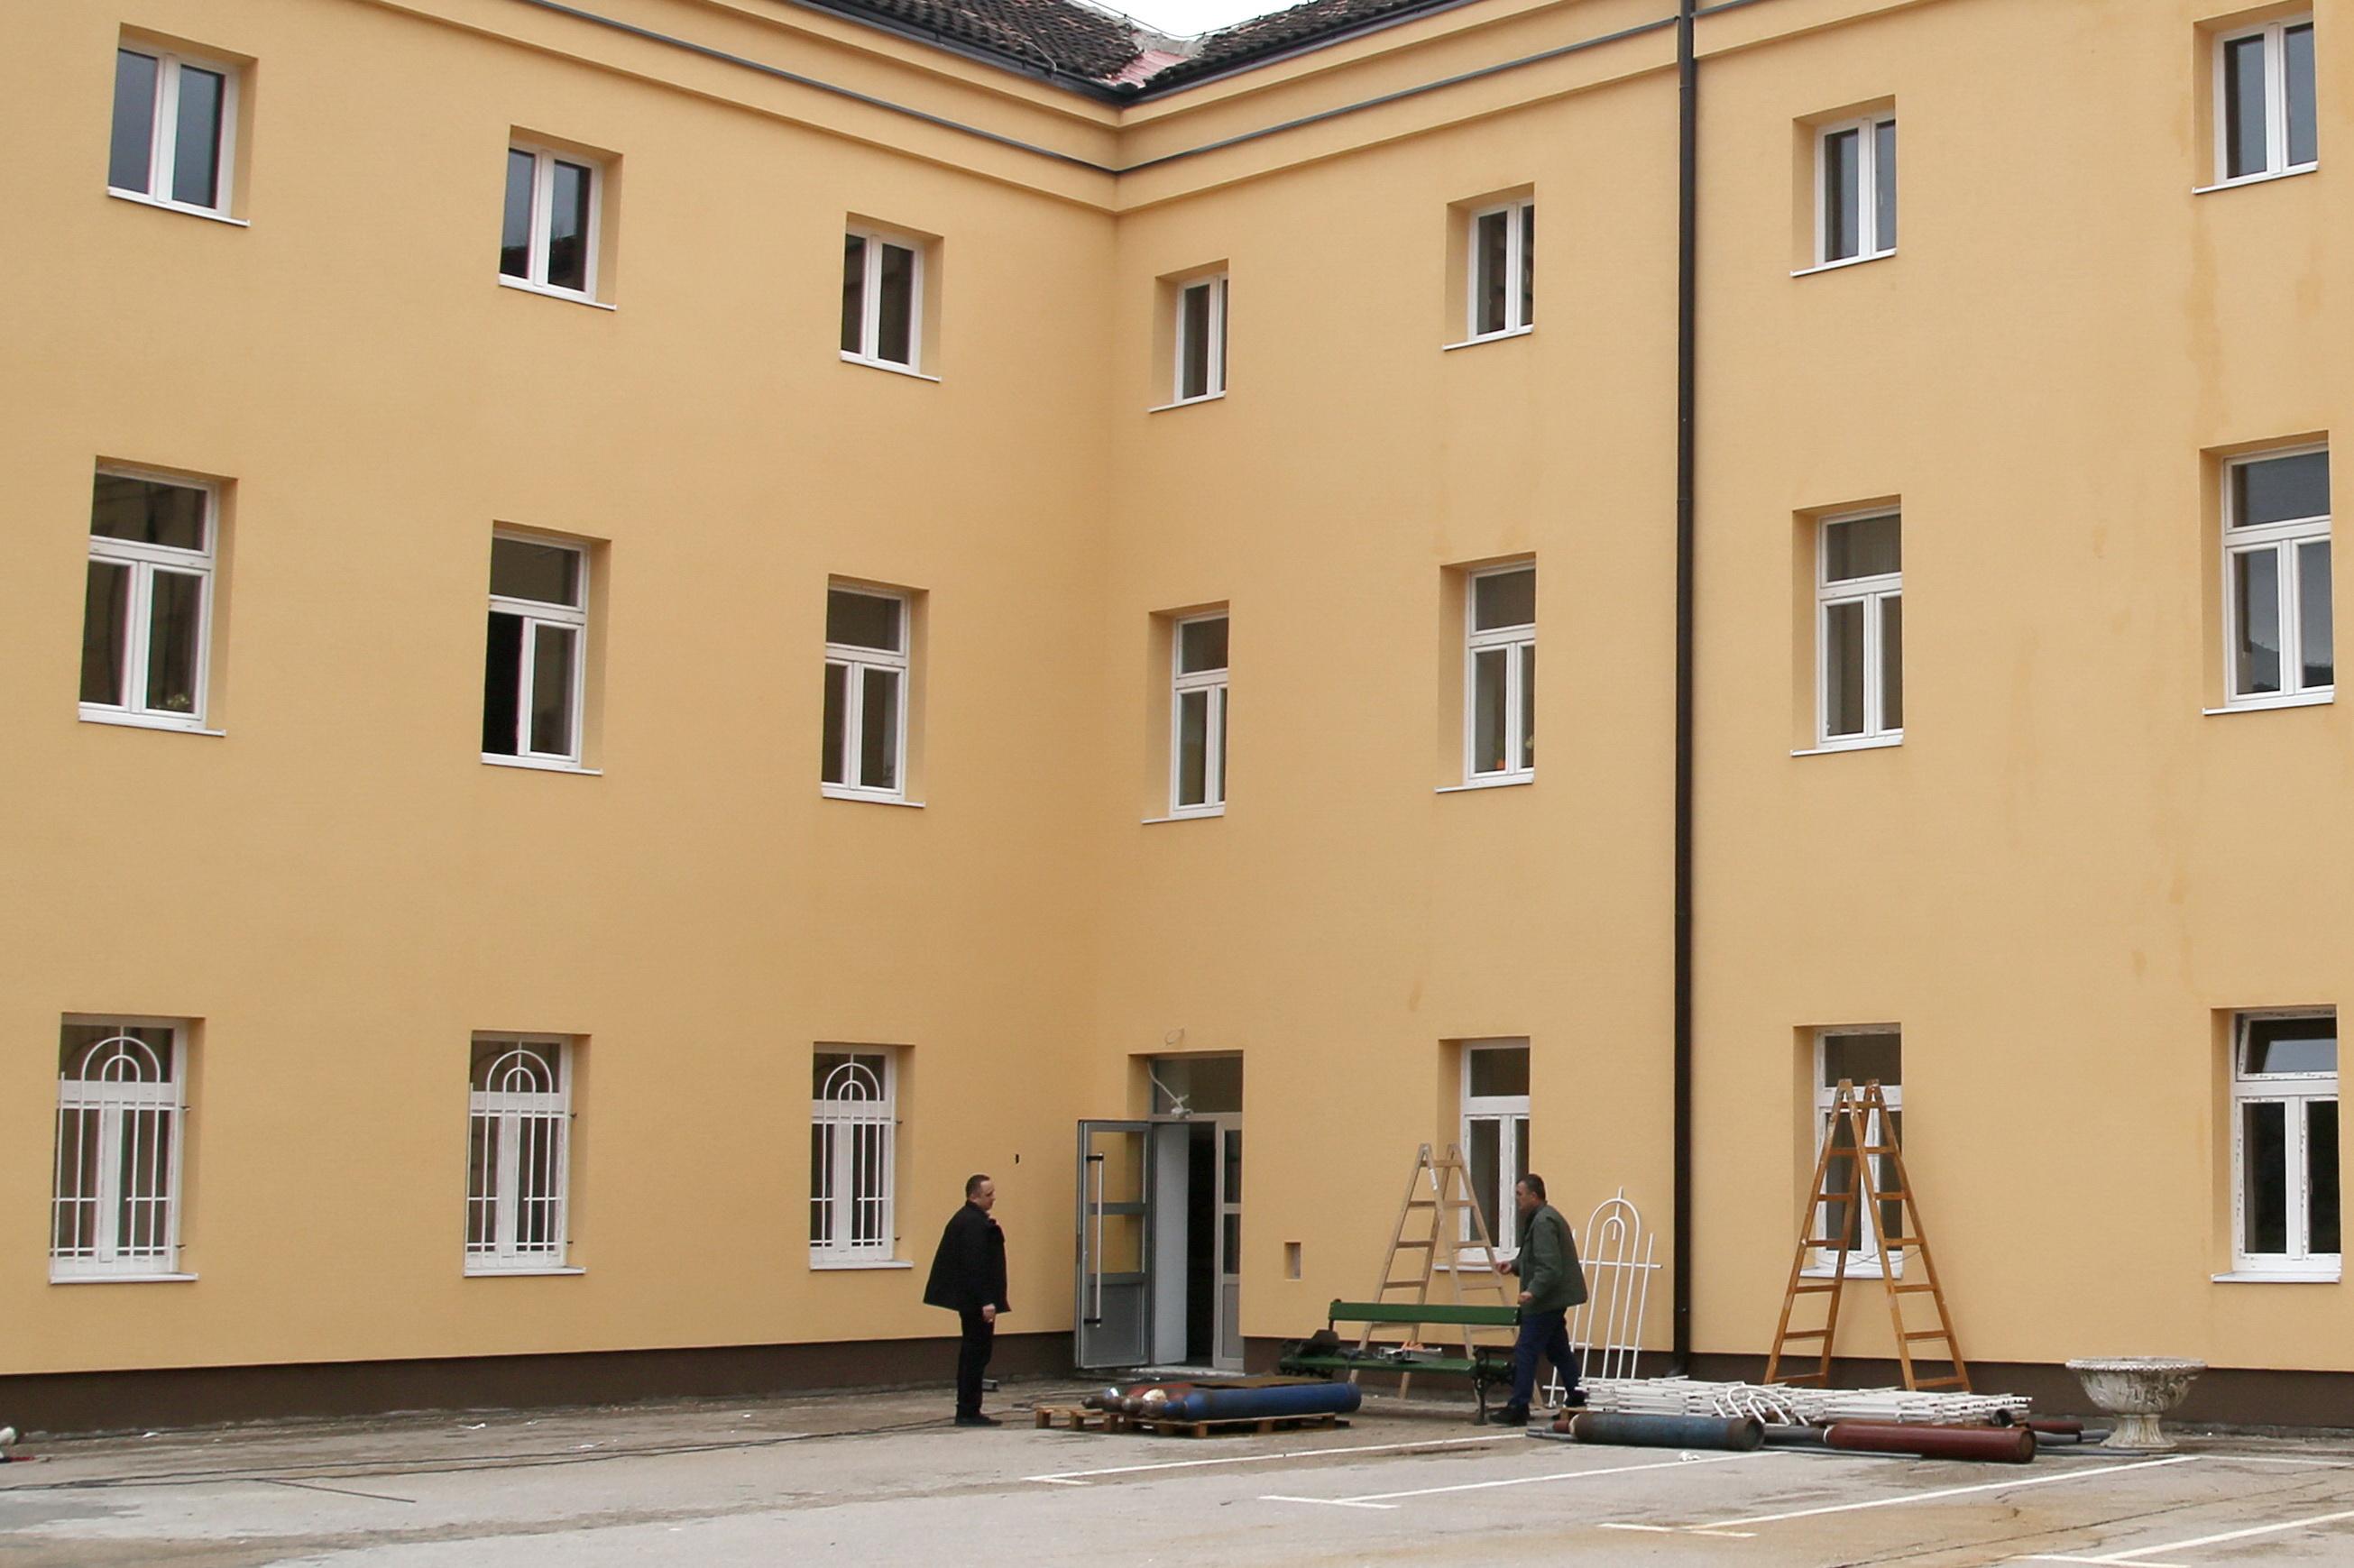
(532, 680)
(1859, 629)
(147, 601)
(1503, 248)
(1501, 670)
(1855, 189)
(115, 1203)
(1202, 339)
(2284, 1142)
(2276, 596)
(1496, 1134)
(1198, 713)
(866, 665)
(172, 126)
(882, 300)
(518, 1153)
(1859, 1056)
(853, 1126)
(2265, 113)
(548, 239)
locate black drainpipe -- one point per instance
(1687, 302)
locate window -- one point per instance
(2265, 119)
(518, 1153)
(172, 118)
(1855, 190)
(1202, 339)
(1859, 629)
(882, 300)
(1496, 1135)
(1501, 733)
(539, 635)
(548, 240)
(1504, 270)
(1198, 711)
(852, 1134)
(147, 601)
(1859, 1057)
(2285, 1137)
(2276, 599)
(115, 1208)
(865, 694)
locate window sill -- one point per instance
(139, 198)
(2277, 1276)
(544, 292)
(872, 797)
(472, 1273)
(1489, 337)
(1187, 402)
(146, 721)
(1844, 263)
(1191, 816)
(2264, 179)
(1833, 747)
(908, 371)
(2264, 705)
(492, 759)
(1500, 782)
(122, 1278)
(848, 1265)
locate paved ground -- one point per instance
(881, 1479)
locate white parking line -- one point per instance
(1081, 1477)
(2137, 1556)
(1729, 1524)
(1389, 1500)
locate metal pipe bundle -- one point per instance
(1735, 1433)
(1260, 1404)
(1995, 1445)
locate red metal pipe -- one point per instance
(1994, 1445)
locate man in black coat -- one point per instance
(969, 1279)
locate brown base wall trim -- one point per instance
(92, 1402)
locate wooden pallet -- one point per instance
(1072, 1417)
(1250, 1424)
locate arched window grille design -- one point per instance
(518, 1153)
(115, 1201)
(852, 1134)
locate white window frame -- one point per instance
(1519, 286)
(543, 220)
(1507, 1111)
(870, 300)
(1867, 238)
(1214, 745)
(115, 1100)
(1865, 1260)
(2282, 539)
(2296, 1091)
(856, 661)
(1872, 592)
(162, 148)
(2276, 36)
(535, 613)
(1512, 638)
(144, 561)
(847, 1121)
(1214, 380)
(517, 1112)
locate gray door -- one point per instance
(1114, 1311)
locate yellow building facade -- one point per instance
(886, 439)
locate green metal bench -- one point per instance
(1487, 1366)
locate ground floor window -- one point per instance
(518, 1162)
(114, 1207)
(1496, 1134)
(2284, 1138)
(1858, 1054)
(854, 1128)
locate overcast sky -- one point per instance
(1186, 17)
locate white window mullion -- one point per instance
(870, 329)
(543, 214)
(2275, 98)
(163, 156)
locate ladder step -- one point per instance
(1804, 1333)
(1403, 1245)
(1811, 1289)
(1881, 1148)
(1909, 1287)
(1932, 1334)
(1943, 1382)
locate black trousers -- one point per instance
(973, 1360)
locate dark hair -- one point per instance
(972, 1185)
(1535, 1184)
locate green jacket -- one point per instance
(1548, 1265)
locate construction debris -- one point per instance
(1781, 1404)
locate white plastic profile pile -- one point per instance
(1783, 1405)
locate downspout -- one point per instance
(1687, 301)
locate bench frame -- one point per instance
(1487, 1366)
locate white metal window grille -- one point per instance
(147, 600)
(538, 643)
(2265, 110)
(548, 235)
(1859, 1056)
(1504, 270)
(1499, 731)
(517, 1153)
(175, 121)
(882, 300)
(1496, 1135)
(2278, 605)
(115, 1202)
(1202, 339)
(2284, 1142)
(852, 1129)
(1197, 784)
(866, 695)
(1859, 629)
(1855, 189)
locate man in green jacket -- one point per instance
(1552, 1282)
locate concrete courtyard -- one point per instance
(883, 1479)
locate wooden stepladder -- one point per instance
(1439, 1190)
(1860, 1148)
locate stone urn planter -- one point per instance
(2137, 1390)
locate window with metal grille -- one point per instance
(518, 1153)
(115, 1206)
(852, 1150)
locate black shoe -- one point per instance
(1574, 1400)
(1512, 1415)
(978, 1419)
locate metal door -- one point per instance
(1114, 1311)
